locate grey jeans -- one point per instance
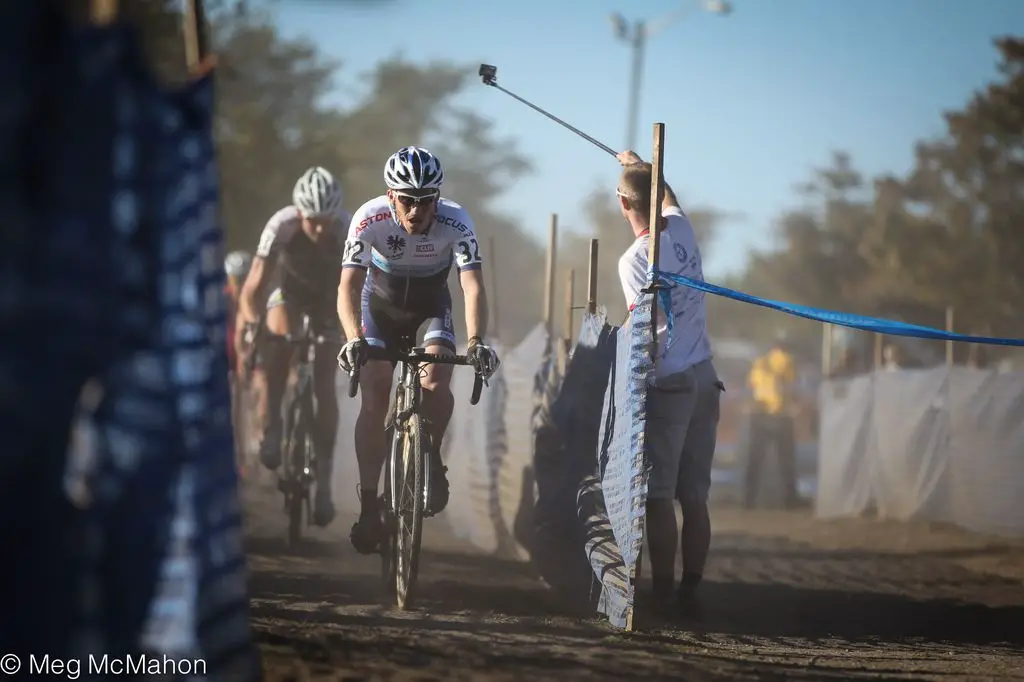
(682, 430)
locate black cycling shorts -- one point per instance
(385, 323)
(321, 309)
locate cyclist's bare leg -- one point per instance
(326, 393)
(438, 401)
(371, 449)
(438, 404)
(276, 358)
(371, 444)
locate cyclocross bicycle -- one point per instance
(407, 468)
(299, 471)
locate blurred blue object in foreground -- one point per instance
(112, 279)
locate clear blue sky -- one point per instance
(751, 101)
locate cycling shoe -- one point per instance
(270, 448)
(367, 534)
(439, 492)
(323, 510)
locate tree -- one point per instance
(272, 122)
(950, 233)
(964, 203)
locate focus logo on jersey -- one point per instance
(452, 221)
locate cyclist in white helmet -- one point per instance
(306, 241)
(400, 249)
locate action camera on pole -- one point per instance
(489, 75)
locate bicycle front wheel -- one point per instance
(408, 502)
(299, 441)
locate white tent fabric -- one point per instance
(941, 444)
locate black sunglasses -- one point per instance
(409, 200)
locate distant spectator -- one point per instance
(770, 422)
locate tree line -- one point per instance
(949, 232)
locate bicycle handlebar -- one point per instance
(263, 334)
(375, 353)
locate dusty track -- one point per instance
(786, 598)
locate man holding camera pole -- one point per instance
(683, 402)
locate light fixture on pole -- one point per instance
(637, 35)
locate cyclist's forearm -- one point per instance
(476, 313)
(247, 307)
(349, 303)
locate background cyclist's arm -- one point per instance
(252, 290)
(354, 262)
(276, 233)
(467, 257)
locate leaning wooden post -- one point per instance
(653, 253)
(592, 279)
(570, 294)
(103, 12)
(654, 243)
(949, 328)
(549, 273)
(492, 293)
(196, 39)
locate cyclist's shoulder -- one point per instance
(288, 217)
(372, 212)
(281, 227)
(453, 216)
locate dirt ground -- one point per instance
(785, 597)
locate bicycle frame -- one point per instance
(299, 465)
(400, 554)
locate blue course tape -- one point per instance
(868, 324)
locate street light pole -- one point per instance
(638, 42)
(637, 36)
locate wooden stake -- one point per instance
(103, 12)
(826, 350)
(949, 328)
(654, 244)
(492, 295)
(570, 294)
(549, 273)
(653, 253)
(592, 279)
(196, 39)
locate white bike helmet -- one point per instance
(317, 193)
(237, 264)
(413, 168)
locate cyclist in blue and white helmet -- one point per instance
(400, 248)
(412, 171)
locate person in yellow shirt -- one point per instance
(770, 421)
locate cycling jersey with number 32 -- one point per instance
(407, 268)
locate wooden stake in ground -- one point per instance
(570, 294)
(197, 46)
(654, 243)
(549, 274)
(492, 295)
(592, 279)
(826, 350)
(653, 252)
(949, 328)
(102, 12)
